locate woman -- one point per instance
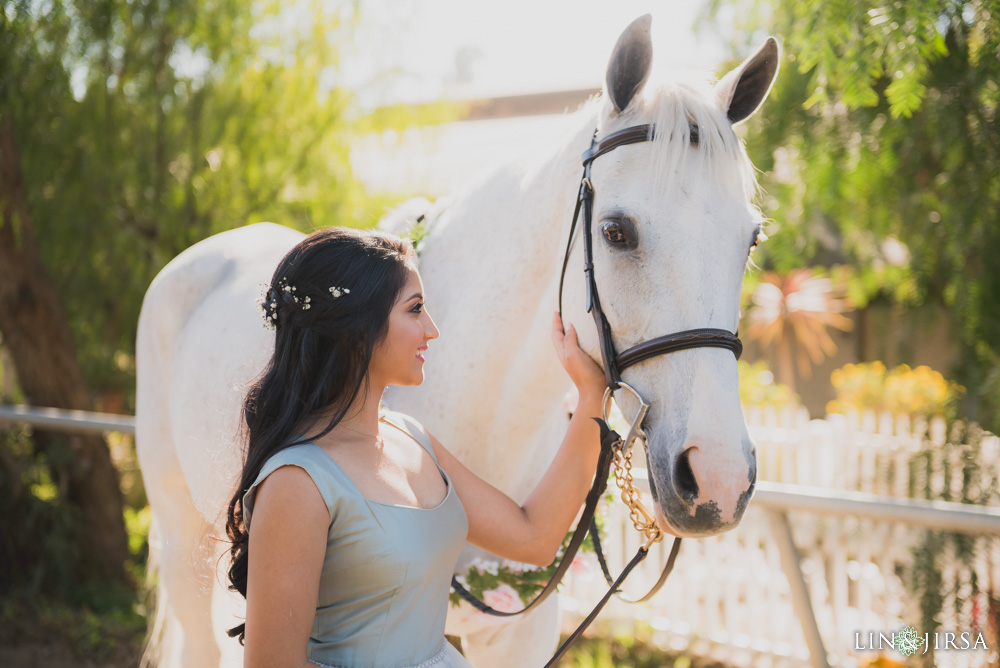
(358, 515)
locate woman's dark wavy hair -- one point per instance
(321, 353)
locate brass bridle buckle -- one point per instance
(643, 520)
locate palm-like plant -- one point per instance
(792, 313)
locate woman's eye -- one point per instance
(417, 308)
(614, 233)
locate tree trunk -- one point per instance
(36, 332)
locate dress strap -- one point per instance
(308, 457)
(411, 427)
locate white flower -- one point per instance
(521, 567)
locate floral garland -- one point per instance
(507, 585)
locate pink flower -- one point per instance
(582, 568)
(503, 598)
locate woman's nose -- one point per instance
(431, 330)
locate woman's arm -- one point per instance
(287, 548)
(532, 533)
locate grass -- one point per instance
(107, 631)
(624, 651)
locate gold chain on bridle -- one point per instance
(642, 519)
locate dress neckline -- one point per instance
(444, 474)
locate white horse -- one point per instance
(674, 224)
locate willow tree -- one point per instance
(128, 131)
(881, 146)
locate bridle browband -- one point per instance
(613, 447)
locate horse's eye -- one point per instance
(758, 237)
(614, 233)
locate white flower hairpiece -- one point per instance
(270, 310)
(291, 289)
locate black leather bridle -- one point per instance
(614, 364)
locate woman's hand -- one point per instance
(583, 371)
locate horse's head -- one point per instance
(673, 225)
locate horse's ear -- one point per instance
(743, 90)
(630, 64)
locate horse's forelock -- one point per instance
(672, 104)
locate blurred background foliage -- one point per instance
(145, 127)
(790, 315)
(138, 128)
(758, 387)
(900, 391)
(880, 148)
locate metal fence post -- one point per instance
(790, 559)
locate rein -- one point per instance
(615, 450)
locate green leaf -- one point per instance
(905, 95)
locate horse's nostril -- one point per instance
(684, 480)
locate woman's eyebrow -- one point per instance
(416, 295)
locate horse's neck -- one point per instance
(491, 270)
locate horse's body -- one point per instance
(494, 390)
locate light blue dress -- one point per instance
(383, 593)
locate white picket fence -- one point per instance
(729, 598)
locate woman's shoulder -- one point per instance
(308, 457)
